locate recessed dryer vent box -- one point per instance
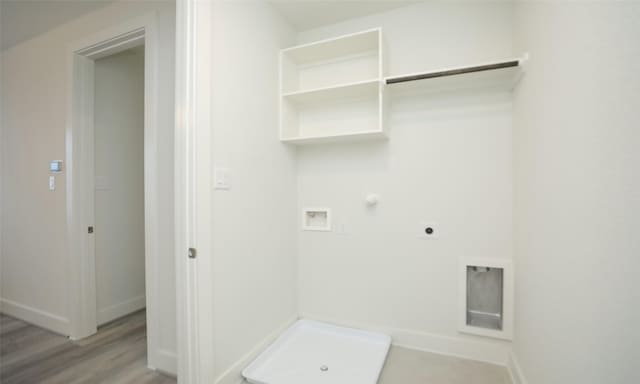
(486, 297)
(316, 219)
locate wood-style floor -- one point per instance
(116, 354)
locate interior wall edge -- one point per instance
(515, 371)
(166, 362)
(490, 351)
(43, 319)
(233, 375)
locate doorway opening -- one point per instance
(113, 192)
(119, 225)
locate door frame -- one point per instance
(193, 148)
(80, 173)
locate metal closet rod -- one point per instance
(452, 72)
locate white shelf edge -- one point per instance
(331, 39)
(301, 140)
(330, 88)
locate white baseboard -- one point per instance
(46, 320)
(166, 362)
(113, 312)
(233, 375)
(517, 377)
(472, 348)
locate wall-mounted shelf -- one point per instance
(332, 90)
(341, 91)
(326, 63)
(499, 75)
(335, 138)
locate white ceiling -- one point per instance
(21, 20)
(308, 14)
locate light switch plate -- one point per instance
(52, 183)
(221, 178)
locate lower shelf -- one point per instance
(350, 111)
(347, 137)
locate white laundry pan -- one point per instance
(311, 352)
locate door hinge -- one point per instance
(90, 229)
(192, 253)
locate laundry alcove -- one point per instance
(340, 112)
(324, 88)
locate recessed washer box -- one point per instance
(316, 219)
(314, 352)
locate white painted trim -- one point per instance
(193, 193)
(469, 347)
(167, 362)
(80, 180)
(476, 350)
(507, 299)
(81, 290)
(233, 375)
(151, 189)
(186, 336)
(115, 44)
(2, 156)
(515, 371)
(116, 311)
(46, 320)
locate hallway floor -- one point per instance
(116, 354)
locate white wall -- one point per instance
(253, 234)
(448, 161)
(34, 111)
(578, 193)
(42, 15)
(119, 194)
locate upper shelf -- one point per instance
(329, 49)
(331, 90)
(500, 74)
(332, 62)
